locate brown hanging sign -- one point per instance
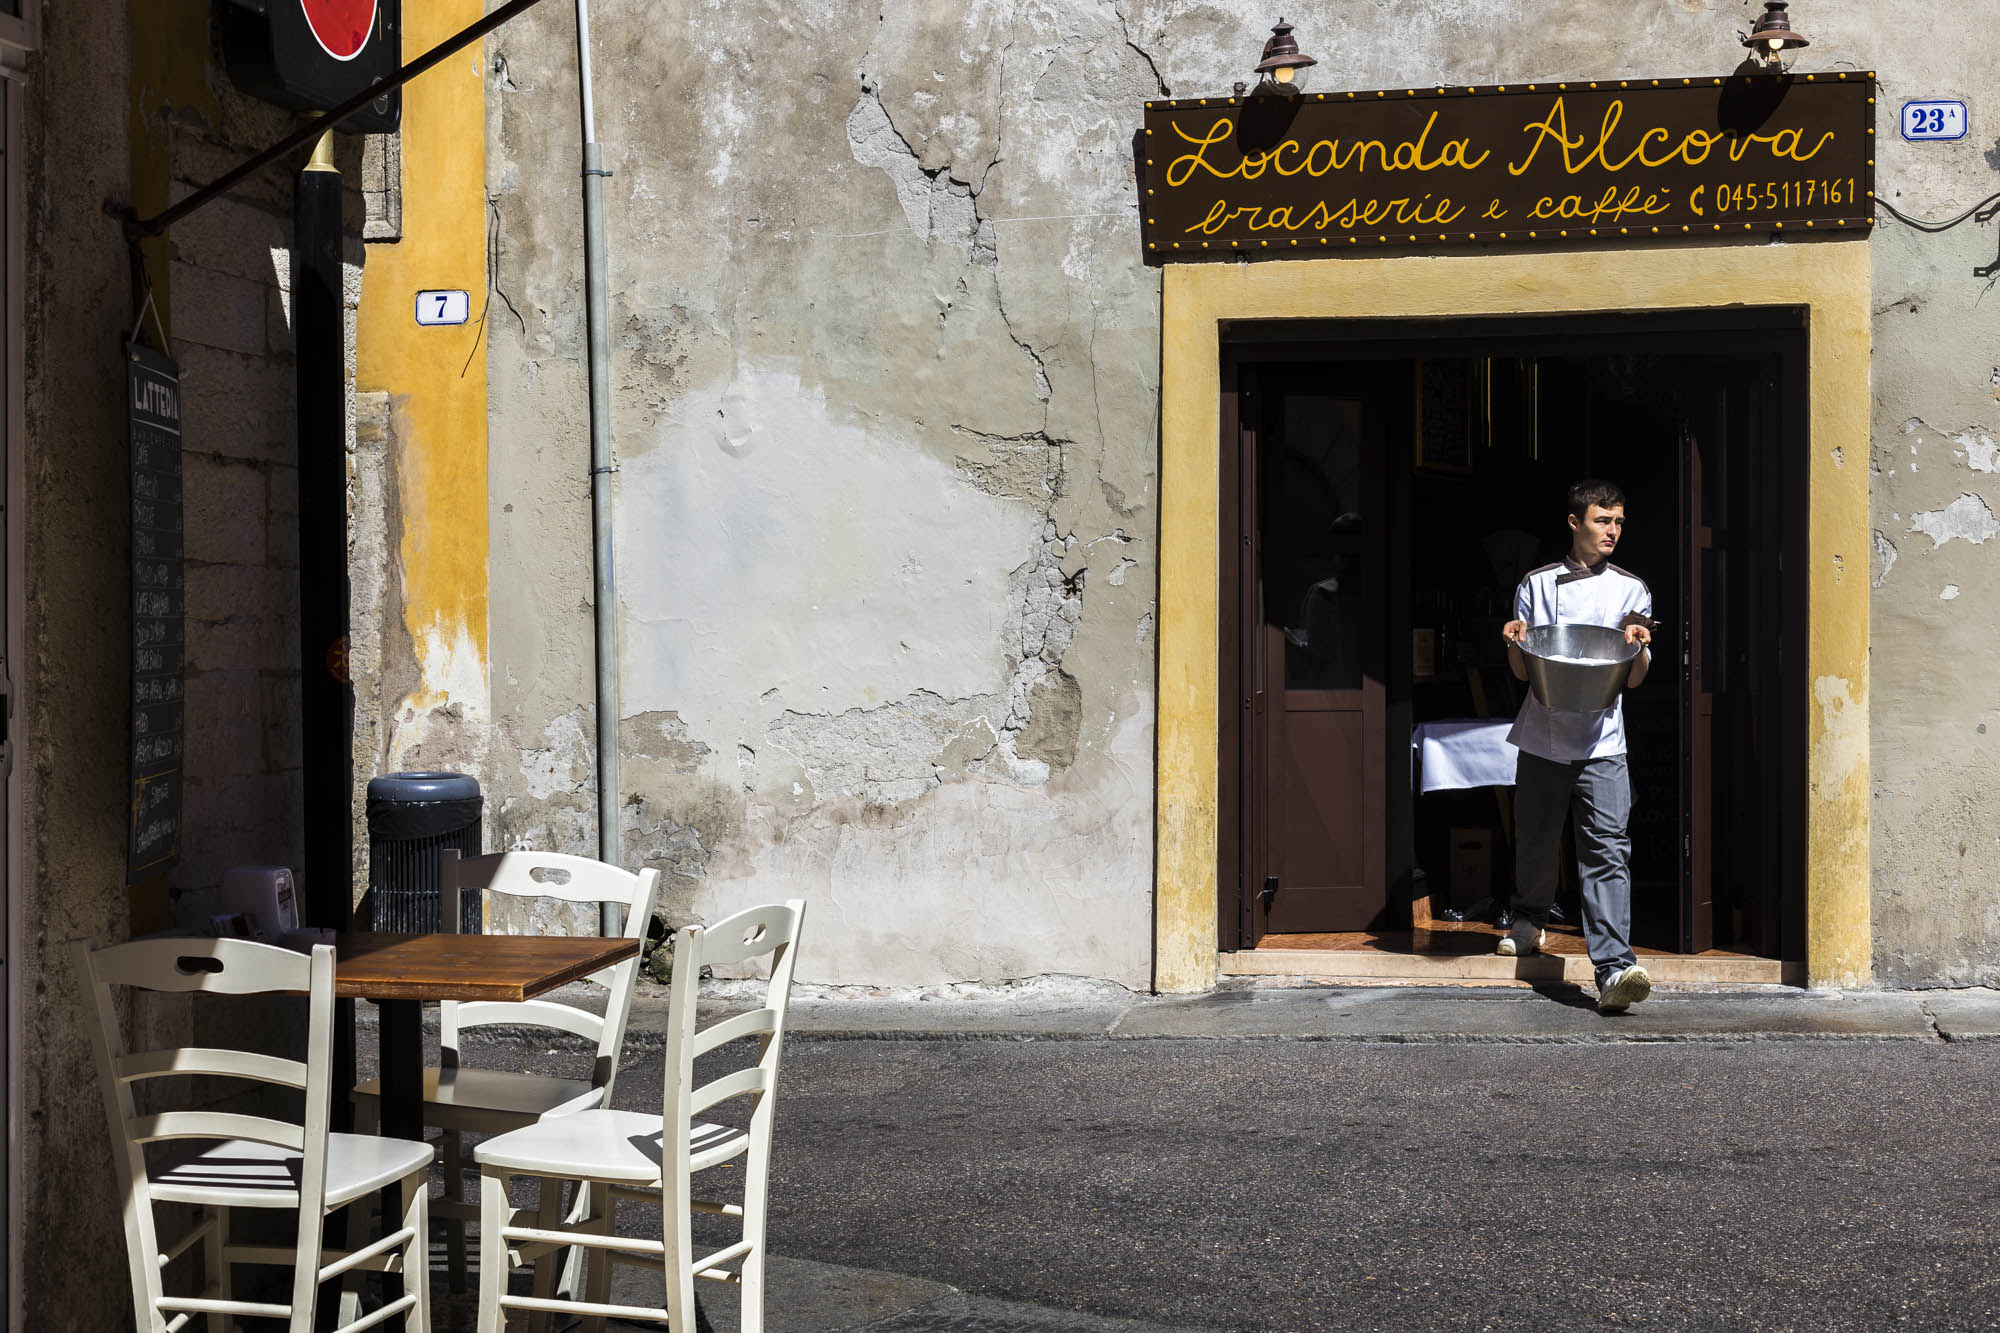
(1642, 158)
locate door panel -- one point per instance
(1319, 464)
(1318, 789)
(1732, 542)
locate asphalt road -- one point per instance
(1322, 1185)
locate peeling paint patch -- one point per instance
(1982, 451)
(892, 753)
(1967, 517)
(940, 208)
(1022, 467)
(1950, 593)
(1840, 753)
(568, 763)
(1885, 555)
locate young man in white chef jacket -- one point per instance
(1574, 763)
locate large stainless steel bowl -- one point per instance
(1588, 686)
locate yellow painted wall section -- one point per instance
(1831, 278)
(436, 376)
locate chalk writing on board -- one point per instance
(159, 606)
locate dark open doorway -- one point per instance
(1384, 488)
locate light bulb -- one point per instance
(1776, 44)
(1284, 73)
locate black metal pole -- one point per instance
(319, 337)
(326, 699)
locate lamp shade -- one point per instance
(1282, 51)
(1775, 26)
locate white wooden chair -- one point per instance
(221, 1160)
(632, 1156)
(460, 1099)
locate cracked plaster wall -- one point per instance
(886, 409)
(886, 417)
(1935, 714)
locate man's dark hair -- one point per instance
(1590, 492)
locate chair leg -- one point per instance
(548, 1217)
(599, 1285)
(417, 1252)
(756, 1206)
(216, 1265)
(683, 1311)
(454, 1190)
(493, 1210)
(752, 1318)
(570, 1285)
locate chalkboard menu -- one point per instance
(159, 604)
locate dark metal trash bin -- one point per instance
(411, 818)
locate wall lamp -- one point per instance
(1772, 42)
(1282, 61)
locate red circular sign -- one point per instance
(341, 26)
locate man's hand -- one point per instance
(1515, 632)
(1638, 631)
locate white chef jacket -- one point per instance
(1567, 593)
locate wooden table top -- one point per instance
(375, 966)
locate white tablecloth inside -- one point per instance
(1454, 754)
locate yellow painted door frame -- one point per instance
(1830, 279)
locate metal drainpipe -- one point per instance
(598, 322)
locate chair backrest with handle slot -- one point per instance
(572, 879)
(214, 967)
(772, 931)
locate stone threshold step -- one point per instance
(1380, 968)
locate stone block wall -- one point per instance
(127, 107)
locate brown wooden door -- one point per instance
(1317, 750)
(1735, 697)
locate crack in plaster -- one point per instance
(938, 205)
(493, 253)
(1145, 55)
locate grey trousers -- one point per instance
(1598, 793)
